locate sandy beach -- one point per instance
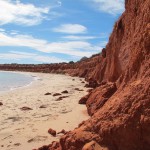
(28, 129)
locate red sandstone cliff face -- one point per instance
(120, 106)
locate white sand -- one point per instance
(17, 126)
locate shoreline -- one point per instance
(34, 78)
(18, 128)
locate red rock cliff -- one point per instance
(120, 105)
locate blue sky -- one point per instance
(52, 31)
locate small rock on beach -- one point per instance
(48, 93)
(56, 94)
(65, 92)
(52, 132)
(26, 108)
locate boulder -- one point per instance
(99, 97)
(92, 83)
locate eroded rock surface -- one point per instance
(120, 103)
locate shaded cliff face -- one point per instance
(128, 45)
(120, 106)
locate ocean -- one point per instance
(12, 80)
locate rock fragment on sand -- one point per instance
(17, 144)
(1, 103)
(14, 119)
(26, 108)
(37, 139)
(48, 93)
(43, 106)
(64, 92)
(52, 132)
(62, 132)
(61, 98)
(56, 94)
(31, 140)
(77, 89)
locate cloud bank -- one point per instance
(16, 56)
(19, 13)
(74, 48)
(109, 6)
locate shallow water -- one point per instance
(12, 80)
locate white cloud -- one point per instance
(73, 37)
(2, 30)
(13, 32)
(109, 6)
(15, 56)
(71, 29)
(74, 48)
(19, 13)
(83, 38)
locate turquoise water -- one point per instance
(11, 80)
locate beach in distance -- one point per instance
(50, 101)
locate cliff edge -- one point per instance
(120, 103)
